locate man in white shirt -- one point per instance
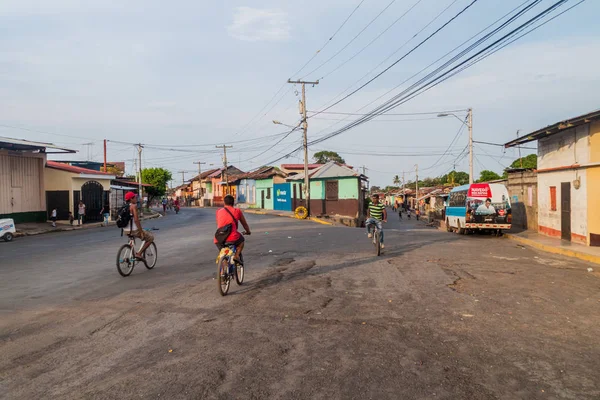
(486, 209)
(80, 212)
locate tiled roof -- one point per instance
(76, 170)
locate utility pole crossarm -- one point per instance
(225, 147)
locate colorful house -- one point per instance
(568, 178)
(265, 179)
(200, 188)
(334, 190)
(66, 185)
(217, 188)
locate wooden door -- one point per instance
(565, 211)
(262, 199)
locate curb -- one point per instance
(289, 216)
(553, 249)
(69, 228)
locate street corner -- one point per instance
(544, 244)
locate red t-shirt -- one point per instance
(223, 218)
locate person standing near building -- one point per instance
(53, 217)
(80, 212)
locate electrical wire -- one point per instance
(403, 97)
(351, 40)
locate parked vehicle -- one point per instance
(478, 207)
(7, 229)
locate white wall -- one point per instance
(563, 150)
(566, 148)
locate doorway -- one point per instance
(92, 194)
(262, 199)
(565, 211)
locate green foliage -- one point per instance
(396, 180)
(487, 176)
(529, 162)
(455, 178)
(322, 157)
(375, 189)
(158, 178)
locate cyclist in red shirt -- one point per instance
(231, 215)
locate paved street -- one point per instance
(319, 317)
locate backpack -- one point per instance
(223, 232)
(123, 216)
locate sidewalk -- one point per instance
(556, 246)
(38, 228)
(288, 214)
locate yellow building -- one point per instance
(568, 175)
(22, 179)
(66, 185)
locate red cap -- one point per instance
(129, 196)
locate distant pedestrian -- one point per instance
(71, 218)
(80, 213)
(104, 213)
(400, 213)
(164, 205)
(417, 213)
(408, 213)
(53, 215)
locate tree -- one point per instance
(323, 157)
(158, 178)
(375, 189)
(455, 178)
(396, 180)
(529, 162)
(115, 170)
(487, 176)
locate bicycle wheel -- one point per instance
(223, 278)
(377, 243)
(125, 261)
(239, 271)
(151, 256)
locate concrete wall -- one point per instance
(558, 157)
(262, 185)
(56, 179)
(593, 187)
(348, 188)
(21, 182)
(523, 191)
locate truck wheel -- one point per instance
(448, 227)
(8, 237)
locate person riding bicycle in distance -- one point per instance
(376, 214)
(135, 226)
(231, 215)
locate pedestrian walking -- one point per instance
(80, 213)
(104, 213)
(408, 213)
(164, 205)
(400, 213)
(71, 218)
(53, 217)
(417, 213)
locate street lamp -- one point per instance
(281, 123)
(469, 125)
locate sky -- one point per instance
(183, 76)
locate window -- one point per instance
(552, 198)
(331, 190)
(458, 199)
(300, 190)
(268, 193)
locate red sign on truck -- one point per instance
(480, 190)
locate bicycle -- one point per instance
(126, 258)
(227, 268)
(376, 234)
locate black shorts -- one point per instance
(236, 243)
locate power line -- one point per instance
(404, 56)
(403, 97)
(395, 114)
(372, 41)
(351, 40)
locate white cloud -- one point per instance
(253, 25)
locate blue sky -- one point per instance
(192, 73)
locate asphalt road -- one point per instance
(437, 316)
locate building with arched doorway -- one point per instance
(66, 185)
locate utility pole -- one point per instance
(519, 147)
(182, 176)
(104, 155)
(140, 193)
(199, 167)
(225, 147)
(417, 185)
(470, 126)
(403, 189)
(305, 139)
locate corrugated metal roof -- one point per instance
(78, 170)
(329, 170)
(27, 145)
